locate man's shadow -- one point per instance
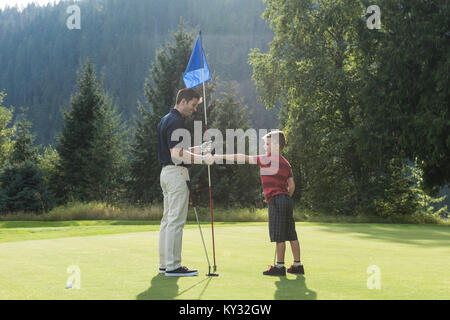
(161, 288)
(294, 289)
(166, 288)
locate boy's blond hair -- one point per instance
(278, 136)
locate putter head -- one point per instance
(210, 274)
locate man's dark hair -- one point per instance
(188, 94)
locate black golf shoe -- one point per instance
(296, 269)
(181, 272)
(275, 271)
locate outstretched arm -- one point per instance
(189, 157)
(195, 150)
(205, 148)
(238, 158)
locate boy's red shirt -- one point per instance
(275, 170)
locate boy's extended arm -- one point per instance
(238, 158)
(291, 186)
(203, 148)
(189, 157)
(195, 150)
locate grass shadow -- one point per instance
(293, 289)
(420, 235)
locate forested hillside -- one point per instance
(365, 110)
(39, 55)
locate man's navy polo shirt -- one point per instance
(168, 124)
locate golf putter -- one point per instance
(209, 274)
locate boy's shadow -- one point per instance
(295, 289)
(161, 288)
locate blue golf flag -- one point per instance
(197, 70)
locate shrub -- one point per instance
(22, 188)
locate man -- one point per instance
(174, 181)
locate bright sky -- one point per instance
(23, 3)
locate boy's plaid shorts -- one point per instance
(281, 219)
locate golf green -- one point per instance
(120, 261)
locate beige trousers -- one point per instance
(176, 199)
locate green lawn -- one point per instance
(119, 260)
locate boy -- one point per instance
(278, 186)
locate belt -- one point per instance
(171, 164)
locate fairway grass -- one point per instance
(119, 260)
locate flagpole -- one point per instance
(209, 167)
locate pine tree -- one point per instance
(23, 146)
(22, 188)
(22, 183)
(160, 90)
(92, 143)
(7, 132)
(236, 184)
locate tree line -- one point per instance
(39, 55)
(365, 112)
(97, 158)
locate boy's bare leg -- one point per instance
(295, 246)
(281, 250)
